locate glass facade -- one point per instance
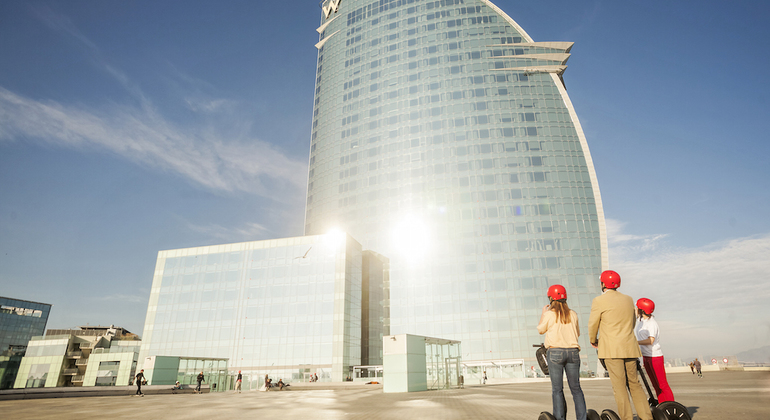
(443, 137)
(46, 362)
(113, 365)
(286, 307)
(20, 320)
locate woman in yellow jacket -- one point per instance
(560, 325)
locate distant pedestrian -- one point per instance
(200, 379)
(692, 367)
(238, 381)
(485, 377)
(696, 363)
(315, 377)
(280, 384)
(139, 380)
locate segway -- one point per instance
(542, 360)
(670, 410)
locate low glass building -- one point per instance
(20, 320)
(288, 308)
(166, 370)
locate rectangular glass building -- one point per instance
(287, 308)
(443, 137)
(20, 320)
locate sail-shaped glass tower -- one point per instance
(444, 138)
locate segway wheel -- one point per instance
(674, 410)
(658, 414)
(546, 416)
(591, 414)
(609, 415)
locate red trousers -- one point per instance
(657, 373)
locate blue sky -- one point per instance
(131, 127)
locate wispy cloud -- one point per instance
(248, 232)
(622, 243)
(142, 135)
(208, 154)
(715, 291)
(123, 298)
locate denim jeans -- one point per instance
(559, 361)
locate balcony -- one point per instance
(89, 345)
(81, 362)
(74, 354)
(77, 378)
(68, 372)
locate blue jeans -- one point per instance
(559, 361)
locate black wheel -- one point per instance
(591, 414)
(546, 416)
(609, 415)
(674, 410)
(658, 414)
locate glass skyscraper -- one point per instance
(444, 138)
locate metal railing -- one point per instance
(87, 346)
(70, 372)
(81, 362)
(78, 378)
(74, 354)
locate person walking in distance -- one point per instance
(611, 330)
(238, 381)
(139, 379)
(485, 376)
(200, 379)
(697, 365)
(648, 336)
(561, 329)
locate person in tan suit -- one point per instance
(611, 330)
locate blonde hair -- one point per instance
(562, 311)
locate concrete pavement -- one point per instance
(719, 395)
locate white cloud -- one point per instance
(622, 243)
(122, 298)
(710, 299)
(142, 135)
(202, 154)
(248, 232)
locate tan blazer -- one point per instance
(613, 319)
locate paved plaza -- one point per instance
(718, 396)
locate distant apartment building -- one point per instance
(20, 320)
(89, 356)
(289, 308)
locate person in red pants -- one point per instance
(648, 334)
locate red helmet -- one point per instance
(646, 305)
(610, 279)
(557, 292)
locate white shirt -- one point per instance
(645, 329)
